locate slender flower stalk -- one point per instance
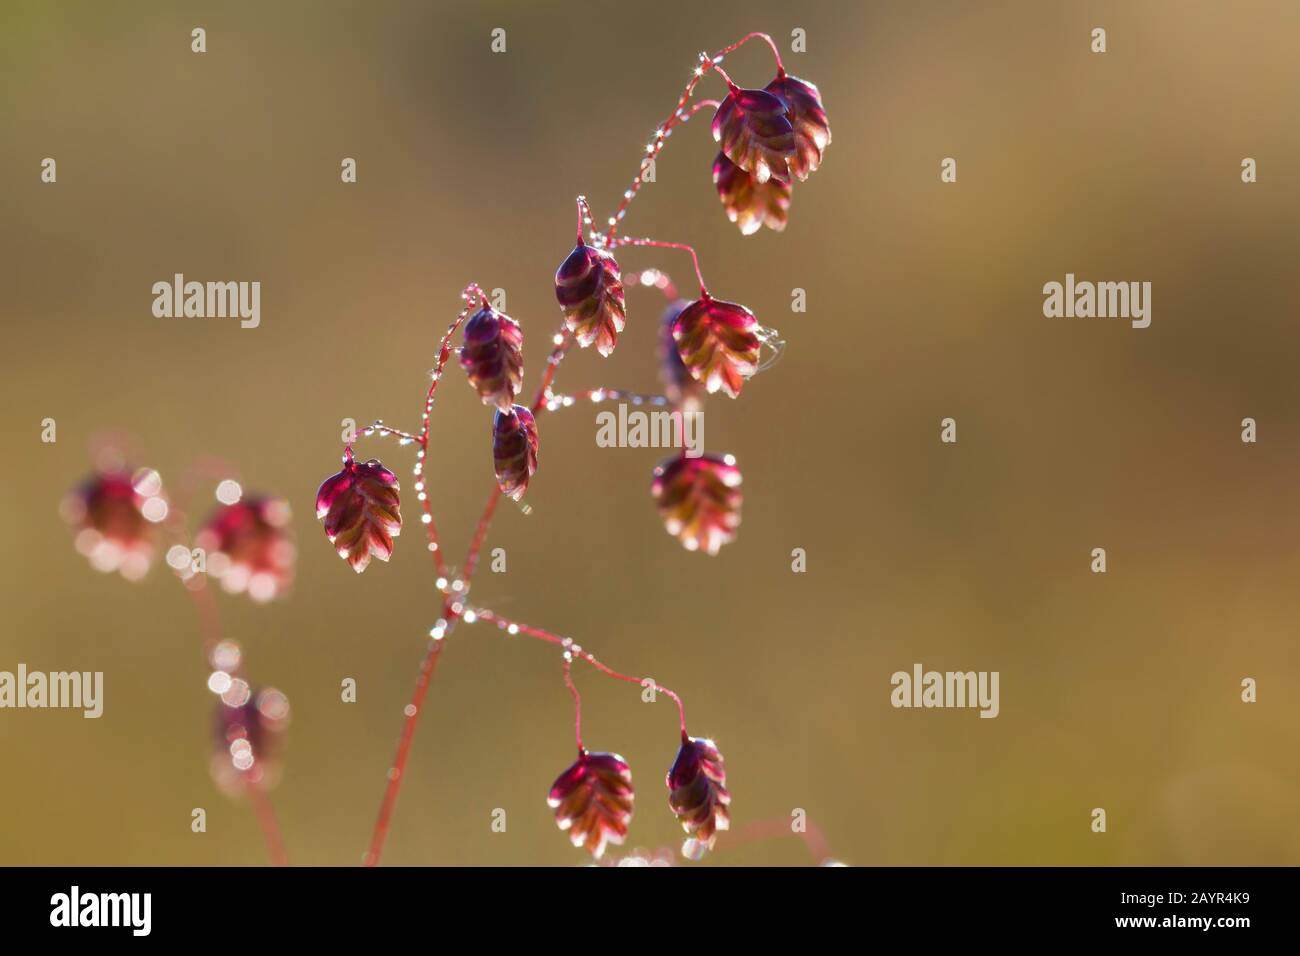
(267, 821)
(657, 244)
(577, 700)
(413, 709)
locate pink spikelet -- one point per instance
(812, 132)
(589, 288)
(250, 547)
(679, 384)
(755, 133)
(699, 500)
(593, 801)
(248, 735)
(698, 795)
(113, 516)
(718, 342)
(493, 357)
(749, 204)
(361, 511)
(514, 450)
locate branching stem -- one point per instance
(453, 606)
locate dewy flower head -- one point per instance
(699, 500)
(250, 547)
(755, 133)
(697, 792)
(248, 735)
(593, 801)
(589, 288)
(361, 512)
(749, 204)
(680, 385)
(514, 450)
(718, 342)
(812, 132)
(493, 357)
(113, 517)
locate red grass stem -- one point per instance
(398, 770)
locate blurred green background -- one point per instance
(924, 301)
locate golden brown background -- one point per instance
(1119, 691)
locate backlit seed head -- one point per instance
(749, 204)
(589, 288)
(492, 356)
(699, 500)
(514, 450)
(250, 547)
(593, 801)
(113, 516)
(698, 795)
(718, 343)
(248, 736)
(360, 510)
(812, 132)
(754, 131)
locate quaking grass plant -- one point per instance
(768, 138)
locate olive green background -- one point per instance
(924, 301)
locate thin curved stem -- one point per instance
(378, 427)
(266, 819)
(654, 278)
(812, 837)
(726, 50)
(474, 297)
(702, 105)
(731, 85)
(680, 115)
(584, 216)
(562, 342)
(469, 294)
(398, 770)
(596, 395)
(480, 536)
(577, 700)
(658, 244)
(517, 627)
(209, 617)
